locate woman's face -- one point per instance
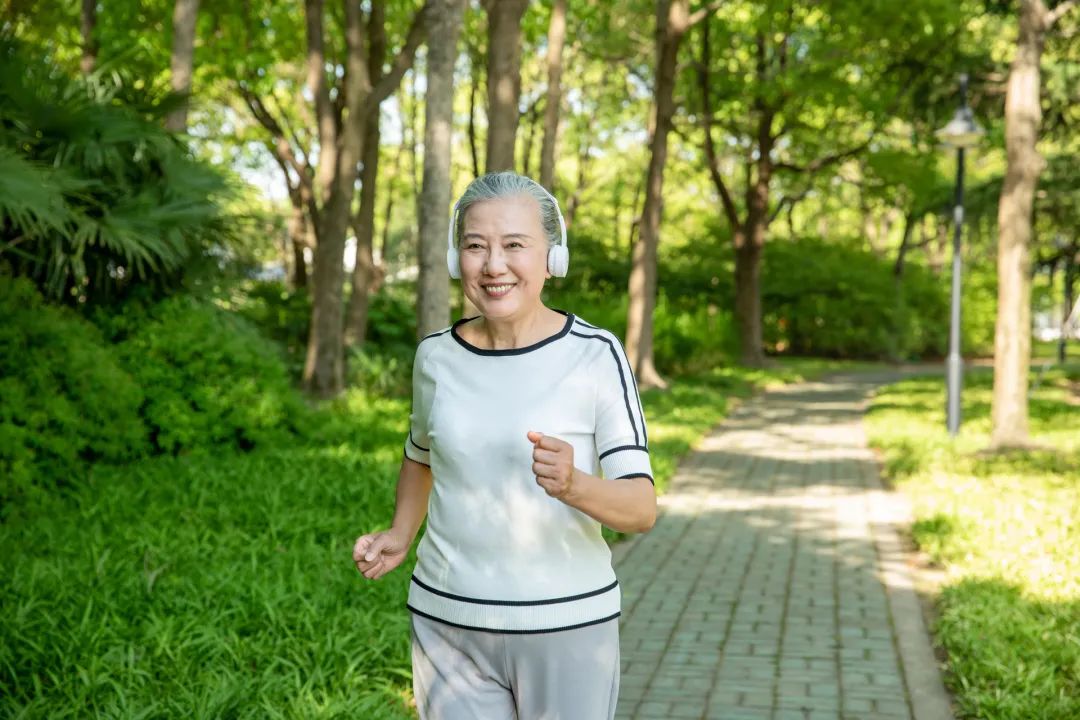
(504, 256)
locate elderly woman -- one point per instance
(526, 436)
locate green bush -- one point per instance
(282, 314)
(66, 399)
(210, 379)
(96, 197)
(831, 300)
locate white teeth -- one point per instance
(497, 289)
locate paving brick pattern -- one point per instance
(766, 591)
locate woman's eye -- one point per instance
(514, 244)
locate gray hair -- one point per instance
(498, 185)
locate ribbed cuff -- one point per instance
(626, 461)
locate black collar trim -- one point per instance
(512, 351)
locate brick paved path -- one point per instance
(773, 586)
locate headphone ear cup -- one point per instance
(558, 260)
(453, 263)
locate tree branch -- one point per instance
(403, 60)
(702, 13)
(1052, 16)
(824, 161)
(280, 147)
(787, 200)
(706, 116)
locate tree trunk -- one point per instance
(185, 15)
(298, 237)
(503, 80)
(433, 305)
(556, 41)
(1012, 335)
(533, 119)
(324, 367)
(474, 86)
(748, 257)
(672, 20)
(364, 269)
(342, 126)
(89, 42)
(584, 145)
(748, 298)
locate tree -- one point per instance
(364, 270)
(185, 15)
(342, 128)
(89, 43)
(1023, 115)
(556, 40)
(503, 80)
(433, 301)
(792, 107)
(673, 19)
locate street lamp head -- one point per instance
(962, 131)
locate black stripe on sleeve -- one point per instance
(406, 455)
(631, 476)
(582, 322)
(422, 449)
(622, 379)
(641, 410)
(621, 448)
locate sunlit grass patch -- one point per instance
(1005, 527)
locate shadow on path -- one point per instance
(773, 585)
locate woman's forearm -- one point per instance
(623, 505)
(413, 489)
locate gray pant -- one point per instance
(474, 675)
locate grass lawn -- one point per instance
(1006, 531)
(221, 585)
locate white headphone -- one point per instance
(558, 255)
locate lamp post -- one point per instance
(962, 132)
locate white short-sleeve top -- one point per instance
(499, 553)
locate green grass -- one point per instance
(1005, 528)
(221, 585)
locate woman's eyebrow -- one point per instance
(482, 236)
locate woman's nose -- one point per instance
(496, 262)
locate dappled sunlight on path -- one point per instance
(774, 585)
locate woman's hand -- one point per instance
(378, 553)
(553, 464)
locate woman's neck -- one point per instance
(518, 332)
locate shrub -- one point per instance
(95, 193)
(832, 300)
(282, 314)
(66, 399)
(210, 379)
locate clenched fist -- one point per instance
(379, 553)
(553, 464)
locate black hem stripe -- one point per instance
(511, 632)
(516, 603)
(582, 322)
(511, 351)
(621, 448)
(423, 449)
(637, 475)
(622, 379)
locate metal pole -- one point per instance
(954, 363)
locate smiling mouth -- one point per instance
(498, 290)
